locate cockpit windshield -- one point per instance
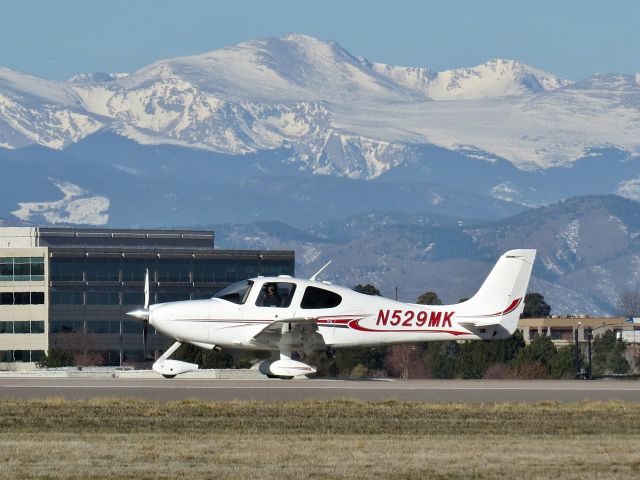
(236, 292)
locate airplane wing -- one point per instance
(304, 330)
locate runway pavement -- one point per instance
(465, 391)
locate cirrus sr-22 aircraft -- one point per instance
(286, 315)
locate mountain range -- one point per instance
(301, 132)
(588, 251)
(340, 114)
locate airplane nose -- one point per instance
(140, 314)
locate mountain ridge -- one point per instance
(340, 114)
(588, 251)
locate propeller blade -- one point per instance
(146, 290)
(145, 328)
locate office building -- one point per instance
(70, 288)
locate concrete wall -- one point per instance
(17, 237)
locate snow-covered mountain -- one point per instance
(44, 112)
(338, 114)
(496, 78)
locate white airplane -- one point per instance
(286, 315)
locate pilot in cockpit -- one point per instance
(271, 297)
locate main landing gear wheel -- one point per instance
(169, 376)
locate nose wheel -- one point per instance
(170, 368)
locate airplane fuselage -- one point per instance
(357, 320)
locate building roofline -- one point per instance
(120, 232)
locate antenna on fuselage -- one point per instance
(313, 277)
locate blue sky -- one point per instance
(572, 38)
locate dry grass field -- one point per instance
(337, 439)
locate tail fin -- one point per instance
(500, 299)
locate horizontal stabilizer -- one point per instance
(476, 325)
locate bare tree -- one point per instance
(404, 361)
(629, 304)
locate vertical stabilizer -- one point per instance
(500, 299)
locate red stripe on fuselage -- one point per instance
(506, 311)
(354, 324)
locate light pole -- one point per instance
(589, 333)
(577, 351)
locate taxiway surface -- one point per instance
(465, 391)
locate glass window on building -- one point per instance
(22, 356)
(133, 270)
(37, 298)
(25, 356)
(6, 327)
(133, 355)
(230, 272)
(102, 270)
(133, 297)
(71, 326)
(37, 326)
(21, 269)
(67, 297)
(103, 298)
(6, 298)
(273, 268)
(6, 269)
(37, 269)
(21, 327)
(559, 333)
(249, 269)
(91, 326)
(225, 270)
(174, 271)
(101, 327)
(21, 298)
(203, 271)
(67, 270)
(131, 326)
(112, 358)
(37, 355)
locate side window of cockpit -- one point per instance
(276, 294)
(316, 298)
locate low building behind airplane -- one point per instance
(286, 315)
